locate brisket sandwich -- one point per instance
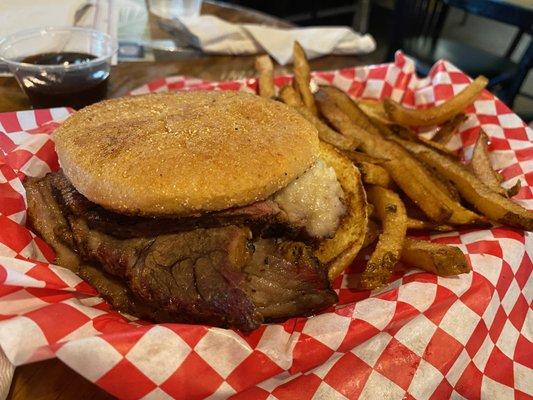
(195, 207)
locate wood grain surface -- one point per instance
(52, 380)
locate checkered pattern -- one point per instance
(422, 337)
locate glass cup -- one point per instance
(175, 8)
(60, 66)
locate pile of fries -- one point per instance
(395, 181)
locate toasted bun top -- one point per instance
(184, 152)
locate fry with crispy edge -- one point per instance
(418, 224)
(290, 97)
(391, 211)
(386, 128)
(358, 156)
(423, 170)
(302, 77)
(339, 251)
(328, 135)
(375, 110)
(372, 233)
(494, 206)
(481, 166)
(348, 106)
(513, 190)
(374, 125)
(265, 69)
(439, 114)
(429, 194)
(445, 133)
(407, 133)
(373, 174)
(374, 145)
(432, 257)
(443, 183)
(446, 193)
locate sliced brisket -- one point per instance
(285, 279)
(115, 291)
(46, 218)
(262, 217)
(215, 276)
(194, 276)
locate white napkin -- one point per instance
(17, 15)
(213, 35)
(6, 374)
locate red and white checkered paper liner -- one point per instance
(422, 337)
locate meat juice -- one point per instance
(76, 88)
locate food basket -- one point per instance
(421, 337)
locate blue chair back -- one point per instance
(503, 11)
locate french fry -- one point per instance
(403, 132)
(374, 109)
(425, 172)
(373, 174)
(418, 183)
(328, 135)
(439, 114)
(339, 251)
(302, 77)
(418, 224)
(372, 233)
(346, 104)
(513, 190)
(342, 261)
(265, 69)
(374, 145)
(449, 129)
(481, 166)
(436, 258)
(340, 120)
(348, 107)
(444, 183)
(290, 97)
(358, 156)
(407, 133)
(494, 206)
(391, 212)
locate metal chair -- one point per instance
(418, 26)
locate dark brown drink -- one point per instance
(65, 58)
(74, 87)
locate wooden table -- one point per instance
(129, 75)
(51, 379)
